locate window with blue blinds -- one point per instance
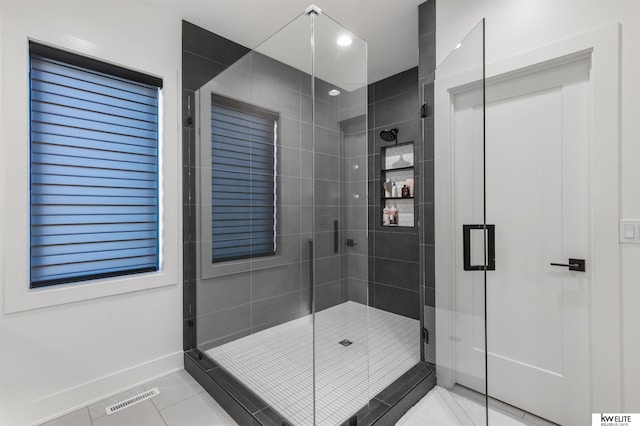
(243, 180)
(94, 169)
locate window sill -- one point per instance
(20, 298)
(222, 269)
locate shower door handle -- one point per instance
(311, 283)
(490, 238)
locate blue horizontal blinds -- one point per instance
(243, 194)
(94, 170)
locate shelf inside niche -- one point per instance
(397, 169)
(397, 165)
(398, 157)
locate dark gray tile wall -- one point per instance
(426, 76)
(354, 212)
(340, 144)
(267, 291)
(394, 253)
(204, 55)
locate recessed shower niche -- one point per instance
(277, 254)
(398, 185)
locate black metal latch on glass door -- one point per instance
(489, 232)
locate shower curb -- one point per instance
(387, 407)
(247, 409)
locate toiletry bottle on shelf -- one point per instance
(393, 216)
(405, 191)
(387, 188)
(410, 186)
(394, 191)
(385, 216)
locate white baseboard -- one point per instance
(69, 400)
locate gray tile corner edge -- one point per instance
(408, 400)
(407, 390)
(405, 383)
(227, 400)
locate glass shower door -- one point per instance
(253, 213)
(464, 240)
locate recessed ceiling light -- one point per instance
(344, 41)
(334, 92)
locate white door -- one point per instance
(537, 156)
(538, 188)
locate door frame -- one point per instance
(603, 46)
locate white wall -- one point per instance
(2, 200)
(65, 356)
(515, 26)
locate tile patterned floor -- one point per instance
(464, 407)
(277, 363)
(341, 382)
(501, 414)
(182, 402)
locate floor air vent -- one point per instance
(132, 401)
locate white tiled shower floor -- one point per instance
(277, 363)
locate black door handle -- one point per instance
(491, 247)
(573, 265)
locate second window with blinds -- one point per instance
(243, 180)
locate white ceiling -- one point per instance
(390, 27)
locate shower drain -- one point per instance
(345, 342)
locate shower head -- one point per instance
(390, 135)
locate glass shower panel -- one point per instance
(254, 209)
(340, 243)
(281, 223)
(464, 244)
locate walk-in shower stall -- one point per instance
(280, 326)
(289, 185)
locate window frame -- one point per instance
(265, 113)
(15, 185)
(206, 268)
(66, 58)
